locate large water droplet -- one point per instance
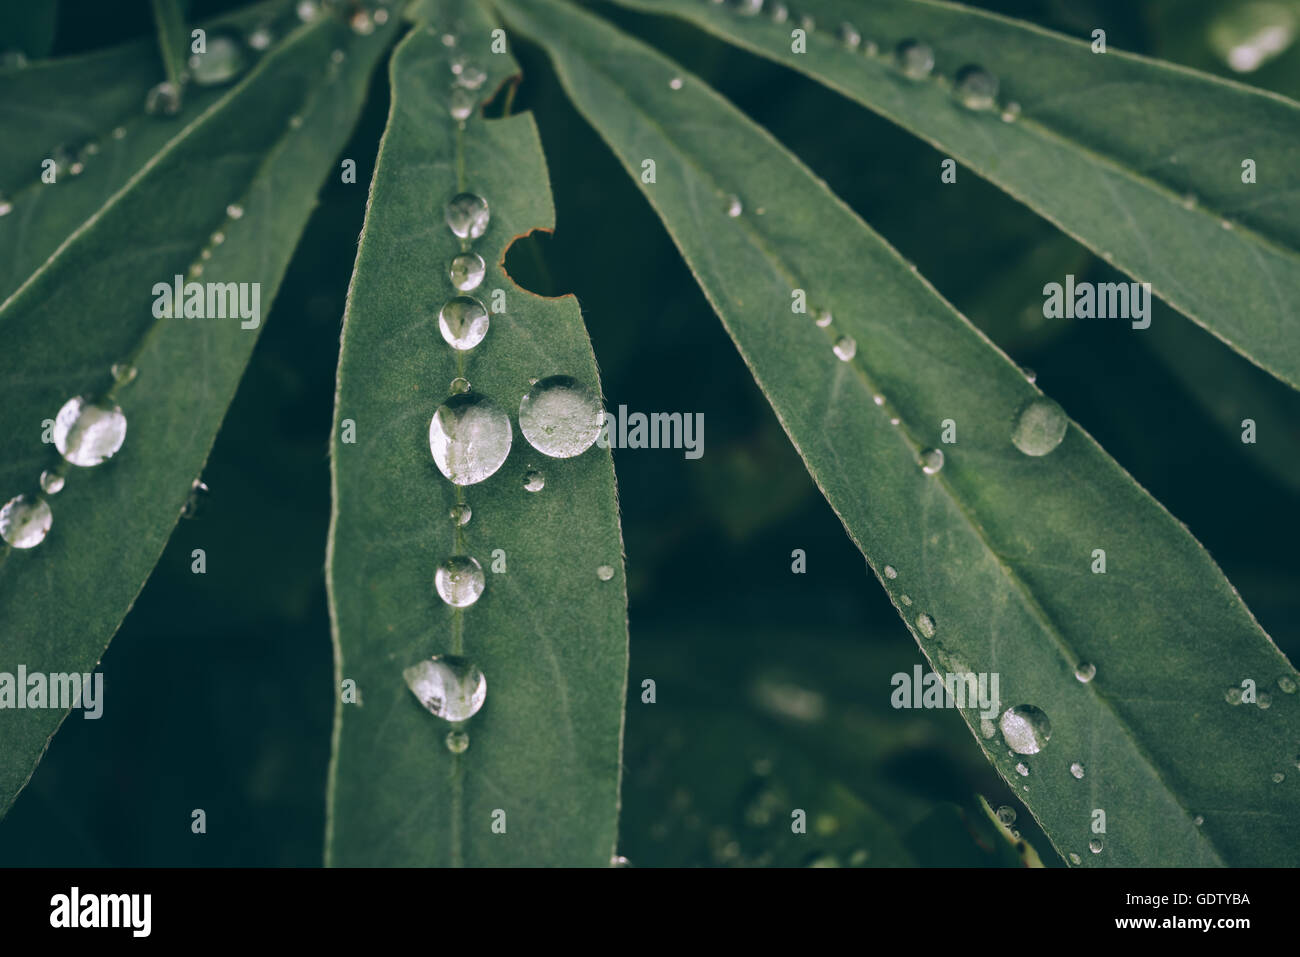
(25, 521)
(1085, 672)
(931, 461)
(448, 686)
(467, 271)
(1006, 815)
(534, 481)
(463, 322)
(605, 572)
(457, 741)
(845, 348)
(88, 432)
(925, 625)
(163, 100)
(51, 482)
(469, 438)
(459, 581)
(976, 88)
(1040, 426)
(224, 60)
(467, 215)
(915, 59)
(559, 417)
(1025, 729)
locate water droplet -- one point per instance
(734, 206)
(163, 100)
(1022, 769)
(779, 13)
(987, 728)
(471, 77)
(235, 211)
(1278, 777)
(1264, 701)
(1075, 858)
(219, 237)
(1077, 770)
(906, 600)
(467, 215)
(534, 481)
(605, 572)
(449, 39)
(925, 625)
(1011, 112)
(307, 10)
(469, 438)
(891, 571)
(361, 23)
(223, 61)
(824, 318)
(870, 49)
(807, 23)
(1040, 426)
(461, 104)
(13, 60)
(845, 348)
(337, 56)
(931, 461)
(119, 132)
(748, 8)
(1025, 729)
(381, 16)
(618, 860)
(463, 322)
(459, 385)
(1085, 672)
(1198, 820)
(197, 500)
(448, 686)
(1287, 684)
(88, 432)
(295, 122)
(25, 521)
(260, 38)
(878, 399)
(6, 207)
(1226, 224)
(915, 59)
(675, 83)
(1095, 845)
(459, 581)
(1030, 375)
(467, 271)
(1233, 696)
(461, 514)
(457, 741)
(976, 88)
(123, 373)
(51, 482)
(1006, 815)
(895, 421)
(559, 417)
(850, 36)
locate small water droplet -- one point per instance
(467, 271)
(845, 348)
(87, 432)
(976, 88)
(124, 373)
(467, 215)
(361, 23)
(534, 481)
(605, 572)
(675, 83)
(891, 571)
(1198, 820)
(219, 237)
(463, 322)
(307, 10)
(223, 60)
(1040, 426)
(1095, 845)
(260, 39)
(1085, 672)
(199, 493)
(1077, 770)
(459, 581)
(987, 728)
(449, 39)
(1025, 729)
(878, 399)
(1232, 696)
(448, 686)
(1286, 684)
(235, 211)
(1011, 112)
(13, 60)
(458, 385)
(119, 132)
(824, 318)
(51, 482)
(915, 59)
(470, 77)
(559, 417)
(25, 521)
(895, 421)
(748, 8)
(1006, 815)
(931, 461)
(906, 599)
(461, 104)
(1226, 224)
(1278, 777)
(850, 36)
(925, 625)
(162, 100)
(337, 56)
(461, 514)
(381, 16)
(1264, 701)
(734, 206)
(1022, 769)
(1030, 375)
(779, 13)
(469, 438)
(1075, 858)
(618, 860)
(807, 23)
(456, 741)
(6, 207)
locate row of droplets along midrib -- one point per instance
(89, 429)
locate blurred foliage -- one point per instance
(218, 687)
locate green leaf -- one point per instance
(92, 305)
(173, 38)
(1139, 160)
(549, 635)
(989, 559)
(28, 28)
(85, 103)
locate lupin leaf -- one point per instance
(993, 559)
(1138, 159)
(539, 783)
(263, 146)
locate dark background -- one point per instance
(218, 686)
